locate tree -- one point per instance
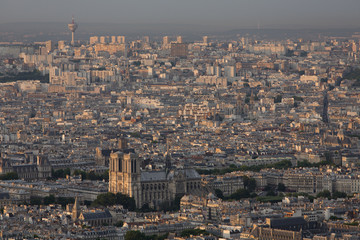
(249, 183)
(119, 224)
(354, 74)
(324, 194)
(78, 172)
(219, 193)
(126, 201)
(289, 53)
(105, 199)
(338, 194)
(9, 176)
(303, 54)
(194, 232)
(328, 156)
(297, 98)
(63, 201)
(137, 63)
(278, 99)
(271, 193)
(269, 187)
(87, 203)
(281, 187)
(134, 235)
(58, 173)
(105, 176)
(34, 200)
(304, 163)
(239, 194)
(92, 176)
(146, 208)
(110, 199)
(324, 80)
(49, 200)
(24, 76)
(335, 218)
(61, 173)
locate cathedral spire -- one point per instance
(76, 210)
(168, 157)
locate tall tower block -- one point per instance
(179, 39)
(72, 27)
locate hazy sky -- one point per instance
(221, 13)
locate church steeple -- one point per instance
(75, 210)
(168, 156)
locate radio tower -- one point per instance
(72, 27)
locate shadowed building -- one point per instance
(93, 218)
(98, 218)
(293, 223)
(38, 168)
(274, 234)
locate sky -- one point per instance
(226, 14)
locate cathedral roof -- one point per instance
(148, 176)
(190, 173)
(153, 176)
(96, 215)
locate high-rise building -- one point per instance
(217, 70)
(165, 42)
(205, 39)
(61, 45)
(179, 49)
(121, 39)
(210, 70)
(113, 39)
(150, 71)
(179, 39)
(104, 39)
(94, 39)
(146, 39)
(49, 46)
(107, 39)
(229, 71)
(43, 51)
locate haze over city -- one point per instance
(221, 15)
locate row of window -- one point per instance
(154, 186)
(193, 185)
(149, 196)
(162, 186)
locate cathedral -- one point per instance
(150, 187)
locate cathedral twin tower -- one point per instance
(124, 173)
(149, 187)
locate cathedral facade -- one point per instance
(150, 187)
